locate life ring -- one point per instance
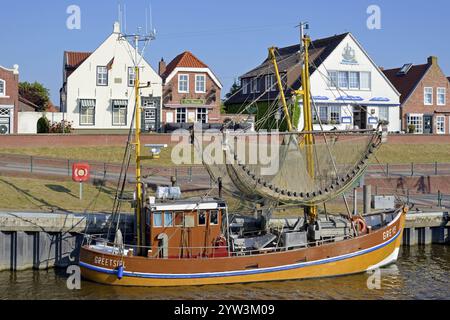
(360, 225)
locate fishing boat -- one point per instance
(202, 241)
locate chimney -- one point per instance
(432, 60)
(116, 27)
(381, 68)
(162, 67)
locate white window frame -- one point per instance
(197, 77)
(254, 85)
(386, 109)
(245, 87)
(441, 92)
(340, 73)
(86, 116)
(3, 92)
(358, 80)
(333, 83)
(442, 120)
(202, 112)
(131, 76)
(102, 76)
(369, 79)
(418, 116)
(179, 83)
(425, 93)
(119, 119)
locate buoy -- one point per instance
(120, 272)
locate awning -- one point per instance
(120, 103)
(87, 103)
(188, 106)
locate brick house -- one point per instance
(9, 99)
(425, 100)
(191, 92)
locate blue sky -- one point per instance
(230, 36)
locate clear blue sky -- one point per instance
(231, 36)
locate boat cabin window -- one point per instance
(168, 219)
(214, 217)
(179, 219)
(202, 218)
(157, 220)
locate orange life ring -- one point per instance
(360, 225)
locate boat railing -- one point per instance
(207, 252)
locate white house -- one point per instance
(98, 89)
(349, 90)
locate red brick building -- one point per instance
(191, 92)
(425, 98)
(9, 99)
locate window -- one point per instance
(271, 83)
(183, 83)
(333, 77)
(365, 80)
(254, 85)
(383, 114)
(150, 114)
(119, 112)
(441, 92)
(102, 76)
(428, 96)
(157, 220)
(202, 115)
(202, 218)
(335, 114)
(416, 120)
(343, 80)
(323, 114)
(131, 76)
(354, 80)
(245, 86)
(181, 115)
(168, 219)
(179, 219)
(214, 217)
(200, 83)
(87, 112)
(440, 125)
(2, 88)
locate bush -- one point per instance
(61, 127)
(411, 128)
(43, 125)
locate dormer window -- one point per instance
(200, 83)
(183, 83)
(2, 88)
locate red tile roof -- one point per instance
(75, 59)
(184, 60)
(405, 84)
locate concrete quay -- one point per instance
(47, 240)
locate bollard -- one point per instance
(412, 169)
(436, 168)
(69, 172)
(387, 169)
(31, 164)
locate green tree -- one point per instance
(43, 125)
(234, 88)
(36, 93)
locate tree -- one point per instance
(233, 90)
(43, 125)
(36, 93)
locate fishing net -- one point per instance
(282, 168)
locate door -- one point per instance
(360, 117)
(427, 124)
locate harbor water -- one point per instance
(422, 272)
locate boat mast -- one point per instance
(305, 93)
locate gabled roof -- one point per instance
(183, 60)
(288, 57)
(74, 60)
(406, 83)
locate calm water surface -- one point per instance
(421, 273)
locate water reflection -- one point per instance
(421, 273)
